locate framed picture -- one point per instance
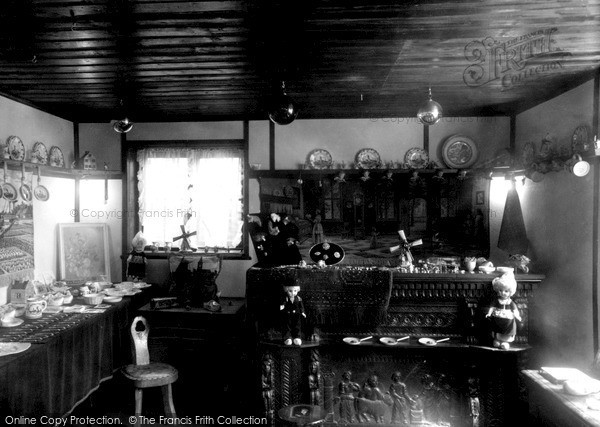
(480, 197)
(83, 252)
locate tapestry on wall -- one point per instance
(16, 232)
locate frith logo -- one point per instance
(513, 61)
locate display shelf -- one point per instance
(55, 172)
(295, 173)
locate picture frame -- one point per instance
(479, 198)
(83, 252)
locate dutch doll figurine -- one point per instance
(292, 311)
(503, 312)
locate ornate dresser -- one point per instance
(461, 381)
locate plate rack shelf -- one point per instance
(295, 173)
(55, 172)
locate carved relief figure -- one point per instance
(346, 390)
(314, 383)
(371, 403)
(400, 400)
(267, 384)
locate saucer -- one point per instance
(113, 299)
(15, 322)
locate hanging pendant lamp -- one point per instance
(123, 126)
(282, 110)
(430, 113)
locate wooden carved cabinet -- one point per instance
(463, 381)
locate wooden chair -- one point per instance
(144, 374)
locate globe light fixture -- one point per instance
(123, 126)
(430, 113)
(282, 110)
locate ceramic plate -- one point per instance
(16, 149)
(320, 159)
(367, 158)
(331, 253)
(41, 193)
(416, 158)
(7, 348)
(141, 285)
(580, 142)
(112, 300)
(288, 191)
(9, 192)
(39, 153)
(528, 154)
(459, 151)
(15, 322)
(56, 157)
(547, 149)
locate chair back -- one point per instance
(139, 334)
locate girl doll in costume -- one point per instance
(503, 312)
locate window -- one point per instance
(197, 191)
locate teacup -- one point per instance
(8, 317)
(35, 307)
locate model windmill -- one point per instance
(406, 257)
(185, 235)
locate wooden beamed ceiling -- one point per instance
(174, 60)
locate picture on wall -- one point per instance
(83, 251)
(448, 214)
(16, 232)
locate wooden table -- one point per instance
(208, 350)
(549, 405)
(69, 357)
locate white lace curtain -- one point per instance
(199, 187)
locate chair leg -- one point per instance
(167, 395)
(138, 406)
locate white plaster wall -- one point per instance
(558, 215)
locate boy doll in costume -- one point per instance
(292, 311)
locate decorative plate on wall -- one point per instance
(528, 154)
(459, 151)
(367, 158)
(39, 153)
(320, 159)
(16, 149)
(416, 158)
(580, 142)
(56, 157)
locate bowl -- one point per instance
(93, 299)
(487, 270)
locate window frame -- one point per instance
(131, 193)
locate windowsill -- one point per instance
(227, 256)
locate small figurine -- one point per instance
(318, 234)
(292, 309)
(504, 311)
